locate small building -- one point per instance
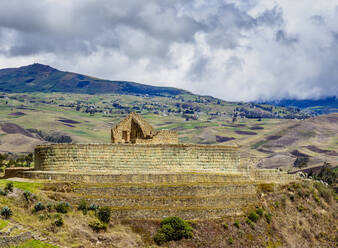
(135, 130)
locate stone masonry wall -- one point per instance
(161, 137)
(128, 158)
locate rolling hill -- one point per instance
(43, 78)
(319, 106)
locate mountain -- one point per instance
(43, 78)
(320, 106)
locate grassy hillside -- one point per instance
(297, 215)
(320, 106)
(34, 118)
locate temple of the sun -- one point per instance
(146, 174)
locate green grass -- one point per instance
(32, 187)
(3, 224)
(34, 244)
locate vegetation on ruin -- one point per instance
(173, 228)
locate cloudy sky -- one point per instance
(231, 49)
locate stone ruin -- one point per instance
(135, 130)
(147, 174)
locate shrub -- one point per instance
(98, 226)
(260, 212)
(6, 212)
(316, 197)
(3, 192)
(301, 162)
(83, 205)
(253, 216)
(250, 223)
(104, 214)
(160, 238)
(230, 241)
(9, 186)
(236, 223)
(27, 195)
(59, 221)
(266, 187)
(225, 226)
(93, 207)
(62, 207)
(300, 208)
(49, 207)
(39, 207)
(324, 192)
(268, 217)
(173, 228)
(276, 204)
(43, 217)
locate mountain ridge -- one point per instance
(43, 78)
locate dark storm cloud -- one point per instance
(230, 49)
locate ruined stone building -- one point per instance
(134, 129)
(146, 174)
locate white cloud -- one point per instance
(234, 50)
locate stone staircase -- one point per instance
(189, 200)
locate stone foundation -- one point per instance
(153, 181)
(140, 158)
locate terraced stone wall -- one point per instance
(140, 158)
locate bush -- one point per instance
(3, 192)
(253, 216)
(6, 212)
(104, 214)
(43, 217)
(260, 212)
(250, 223)
(59, 221)
(27, 195)
(266, 187)
(62, 207)
(268, 217)
(300, 208)
(160, 238)
(39, 207)
(83, 205)
(316, 197)
(230, 241)
(173, 228)
(301, 162)
(93, 207)
(49, 207)
(236, 223)
(225, 226)
(9, 186)
(98, 226)
(324, 192)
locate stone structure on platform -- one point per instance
(146, 174)
(135, 130)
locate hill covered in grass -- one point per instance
(320, 106)
(43, 78)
